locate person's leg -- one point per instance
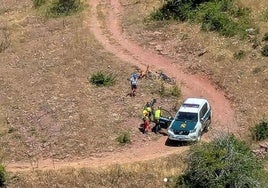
(133, 89)
(147, 126)
(157, 127)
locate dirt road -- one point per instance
(109, 33)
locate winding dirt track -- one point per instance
(130, 52)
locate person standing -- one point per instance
(157, 115)
(146, 121)
(133, 84)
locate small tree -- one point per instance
(225, 162)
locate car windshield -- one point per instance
(187, 116)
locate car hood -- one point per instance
(183, 125)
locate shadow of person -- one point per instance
(141, 128)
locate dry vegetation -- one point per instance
(48, 109)
(48, 106)
(146, 174)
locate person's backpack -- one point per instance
(134, 79)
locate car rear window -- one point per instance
(190, 105)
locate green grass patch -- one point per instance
(166, 90)
(102, 79)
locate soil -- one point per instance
(108, 32)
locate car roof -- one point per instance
(192, 105)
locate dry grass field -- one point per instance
(48, 106)
(49, 109)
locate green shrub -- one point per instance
(239, 55)
(222, 16)
(174, 9)
(2, 176)
(162, 90)
(175, 91)
(260, 131)
(101, 79)
(224, 162)
(38, 3)
(265, 50)
(265, 37)
(65, 7)
(123, 138)
(218, 22)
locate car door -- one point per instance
(204, 114)
(165, 119)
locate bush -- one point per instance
(123, 138)
(222, 16)
(100, 79)
(265, 37)
(224, 162)
(260, 131)
(239, 55)
(265, 50)
(162, 90)
(175, 91)
(65, 7)
(38, 3)
(2, 176)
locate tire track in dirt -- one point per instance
(117, 43)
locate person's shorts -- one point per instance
(133, 87)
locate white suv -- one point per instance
(191, 120)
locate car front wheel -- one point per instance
(198, 137)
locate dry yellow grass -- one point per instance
(147, 174)
(49, 109)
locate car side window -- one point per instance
(204, 110)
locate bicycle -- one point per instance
(166, 78)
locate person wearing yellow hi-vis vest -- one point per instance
(157, 115)
(146, 121)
